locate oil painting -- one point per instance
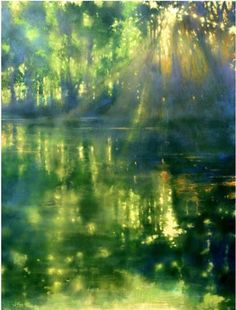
(118, 176)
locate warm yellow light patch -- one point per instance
(6, 95)
(56, 286)
(166, 40)
(103, 252)
(22, 68)
(87, 21)
(18, 258)
(32, 34)
(210, 302)
(51, 257)
(82, 89)
(20, 90)
(159, 267)
(33, 216)
(77, 285)
(51, 271)
(91, 228)
(98, 3)
(81, 152)
(170, 229)
(5, 48)
(193, 63)
(109, 149)
(16, 7)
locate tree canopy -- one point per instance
(84, 55)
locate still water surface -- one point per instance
(116, 218)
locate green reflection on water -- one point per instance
(107, 219)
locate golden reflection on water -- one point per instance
(54, 156)
(93, 194)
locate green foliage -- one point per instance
(92, 44)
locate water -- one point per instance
(117, 218)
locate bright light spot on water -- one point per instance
(56, 286)
(60, 272)
(174, 264)
(81, 152)
(26, 269)
(210, 302)
(103, 252)
(159, 267)
(79, 255)
(33, 216)
(150, 239)
(18, 258)
(77, 285)
(207, 221)
(51, 271)
(51, 257)
(109, 149)
(91, 228)
(69, 259)
(168, 220)
(171, 228)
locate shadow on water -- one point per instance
(97, 218)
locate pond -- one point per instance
(97, 217)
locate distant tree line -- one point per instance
(61, 56)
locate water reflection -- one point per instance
(108, 218)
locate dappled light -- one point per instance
(118, 183)
(98, 237)
(89, 55)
